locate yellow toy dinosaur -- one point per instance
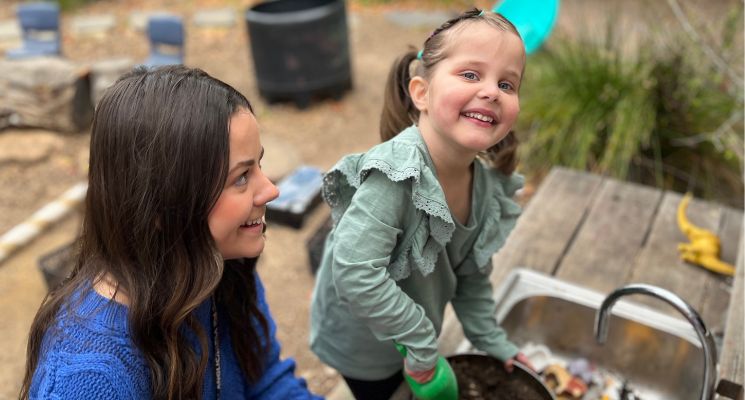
(704, 247)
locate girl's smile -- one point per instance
(481, 117)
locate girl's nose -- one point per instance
(267, 192)
(489, 93)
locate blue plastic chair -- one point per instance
(534, 19)
(40, 30)
(166, 35)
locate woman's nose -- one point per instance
(267, 192)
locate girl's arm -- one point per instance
(279, 380)
(365, 237)
(475, 307)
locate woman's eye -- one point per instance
(505, 85)
(242, 180)
(471, 76)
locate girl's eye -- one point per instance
(471, 76)
(505, 85)
(242, 180)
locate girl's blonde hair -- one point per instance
(399, 111)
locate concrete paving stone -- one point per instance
(418, 19)
(138, 19)
(10, 30)
(217, 18)
(112, 66)
(10, 35)
(93, 24)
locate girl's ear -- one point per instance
(418, 87)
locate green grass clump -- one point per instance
(659, 115)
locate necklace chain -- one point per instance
(216, 342)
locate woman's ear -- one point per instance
(418, 87)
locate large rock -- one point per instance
(105, 73)
(45, 92)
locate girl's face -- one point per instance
(471, 100)
(237, 219)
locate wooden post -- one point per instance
(731, 363)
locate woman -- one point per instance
(164, 301)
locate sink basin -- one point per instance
(657, 354)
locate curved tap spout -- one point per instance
(704, 335)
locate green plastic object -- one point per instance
(534, 19)
(442, 386)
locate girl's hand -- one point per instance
(420, 376)
(520, 357)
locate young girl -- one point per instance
(418, 217)
(164, 301)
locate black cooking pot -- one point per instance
(481, 376)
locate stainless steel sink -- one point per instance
(658, 354)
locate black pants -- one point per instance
(375, 390)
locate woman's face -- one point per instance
(237, 219)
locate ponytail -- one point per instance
(399, 111)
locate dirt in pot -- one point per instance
(484, 378)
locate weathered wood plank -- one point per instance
(605, 247)
(659, 263)
(732, 362)
(729, 235)
(548, 224)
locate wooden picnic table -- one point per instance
(603, 233)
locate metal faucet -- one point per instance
(704, 335)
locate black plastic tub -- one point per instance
(300, 49)
(57, 265)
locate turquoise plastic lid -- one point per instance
(534, 19)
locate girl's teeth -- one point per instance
(480, 117)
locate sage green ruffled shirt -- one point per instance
(396, 257)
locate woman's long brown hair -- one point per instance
(158, 162)
(399, 111)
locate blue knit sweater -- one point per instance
(88, 354)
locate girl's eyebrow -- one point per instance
(514, 74)
(246, 163)
(477, 63)
(469, 63)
